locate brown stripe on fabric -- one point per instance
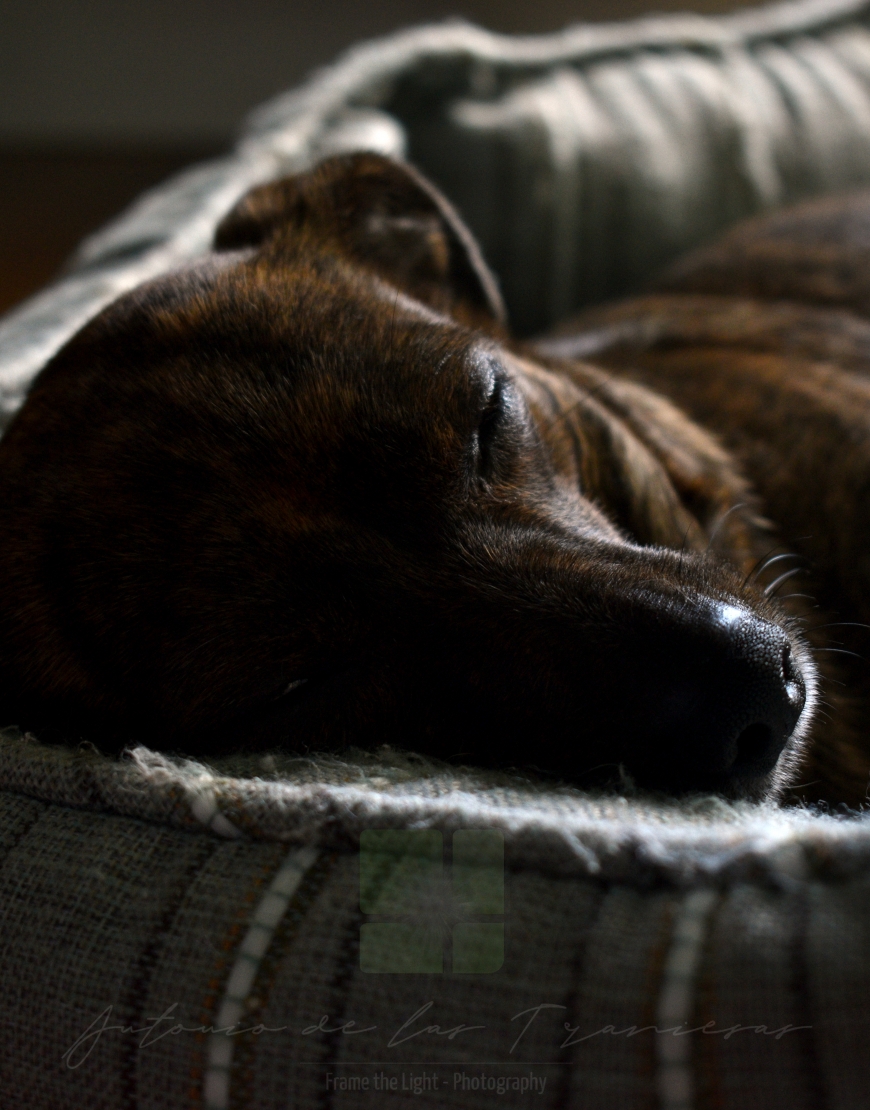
(132, 1002)
(223, 964)
(341, 984)
(707, 1075)
(677, 1003)
(242, 1094)
(172, 1067)
(578, 967)
(615, 1066)
(803, 1006)
(238, 991)
(288, 1066)
(754, 1043)
(838, 977)
(654, 977)
(82, 895)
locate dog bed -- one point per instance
(275, 931)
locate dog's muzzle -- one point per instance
(721, 712)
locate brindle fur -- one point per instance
(309, 491)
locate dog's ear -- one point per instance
(383, 215)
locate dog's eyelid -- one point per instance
(495, 387)
(485, 364)
(491, 414)
(496, 395)
(493, 408)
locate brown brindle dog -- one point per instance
(308, 492)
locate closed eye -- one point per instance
(487, 428)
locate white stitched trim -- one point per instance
(267, 916)
(674, 1078)
(204, 807)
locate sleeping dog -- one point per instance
(308, 492)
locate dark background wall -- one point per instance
(101, 98)
(187, 70)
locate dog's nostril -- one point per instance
(739, 695)
(775, 695)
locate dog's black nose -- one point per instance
(723, 708)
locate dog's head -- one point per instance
(305, 492)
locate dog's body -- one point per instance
(308, 492)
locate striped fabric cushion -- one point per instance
(177, 936)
